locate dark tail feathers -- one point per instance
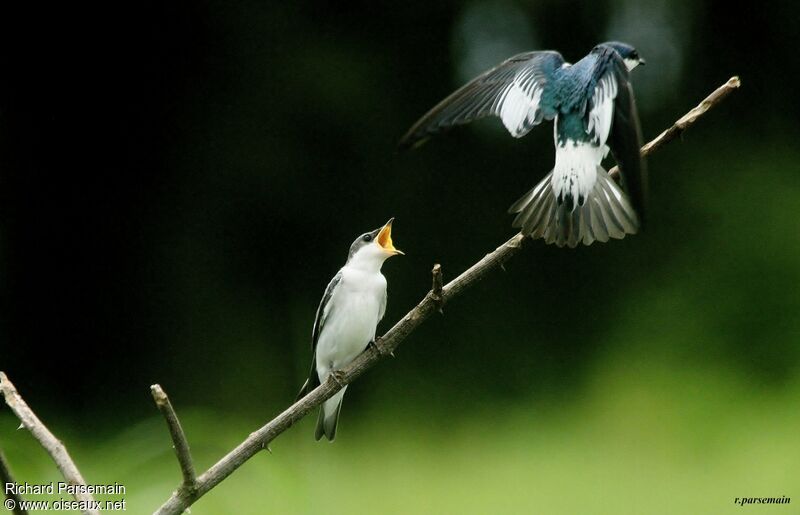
(605, 213)
(327, 423)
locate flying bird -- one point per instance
(592, 105)
(353, 304)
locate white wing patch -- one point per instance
(602, 108)
(519, 104)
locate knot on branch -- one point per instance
(189, 491)
(437, 294)
(516, 241)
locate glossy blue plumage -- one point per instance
(591, 103)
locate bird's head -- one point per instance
(629, 54)
(372, 248)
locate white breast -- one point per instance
(355, 309)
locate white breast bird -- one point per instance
(353, 304)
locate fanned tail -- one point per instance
(605, 213)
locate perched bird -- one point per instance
(347, 316)
(593, 107)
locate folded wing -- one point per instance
(323, 310)
(612, 119)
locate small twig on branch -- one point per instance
(256, 441)
(436, 289)
(51, 444)
(179, 441)
(5, 479)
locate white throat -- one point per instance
(369, 258)
(631, 63)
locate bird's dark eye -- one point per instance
(367, 237)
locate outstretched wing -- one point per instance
(612, 119)
(512, 90)
(319, 322)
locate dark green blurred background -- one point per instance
(180, 181)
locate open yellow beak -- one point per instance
(384, 239)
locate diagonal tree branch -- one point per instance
(11, 495)
(687, 120)
(51, 444)
(182, 498)
(179, 441)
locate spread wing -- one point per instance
(319, 322)
(512, 91)
(612, 119)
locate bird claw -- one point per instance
(338, 378)
(374, 345)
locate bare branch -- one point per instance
(687, 120)
(179, 442)
(51, 444)
(258, 440)
(7, 478)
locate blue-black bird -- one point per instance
(592, 105)
(353, 304)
